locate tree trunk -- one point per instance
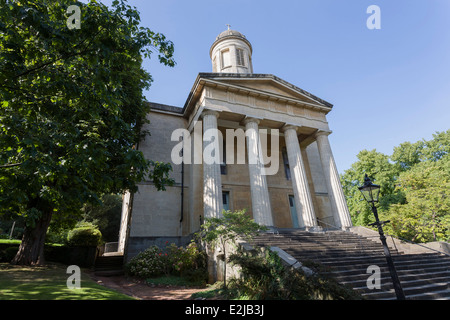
(31, 250)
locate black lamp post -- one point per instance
(371, 193)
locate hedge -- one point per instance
(82, 256)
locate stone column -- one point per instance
(262, 211)
(302, 196)
(212, 180)
(335, 192)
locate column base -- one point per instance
(271, 229)
(314, 229)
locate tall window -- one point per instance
(223, 163)
(293, 210)
(240, 60)
(226, 200)
(226, 62)
(287, 170)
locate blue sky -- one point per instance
(387, 86)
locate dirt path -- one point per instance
(141, 290)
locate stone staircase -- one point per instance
(109, 264)
(347, 257)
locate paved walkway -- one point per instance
(141, 290)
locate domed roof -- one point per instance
(230, 34)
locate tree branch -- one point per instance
(10, 165)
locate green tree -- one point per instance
(414, 188)
(106, 216)
(382, 172)
(438, 147)
(407, 155)
(227, 229)
(71, 110)
(426, 214)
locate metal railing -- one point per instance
(397, 249)
(111, 247)
(333, 227)
(418, 244)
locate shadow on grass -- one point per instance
(49, 283)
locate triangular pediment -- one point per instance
(266, 84)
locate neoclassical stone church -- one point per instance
(299, 188)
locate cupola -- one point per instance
(231, 52)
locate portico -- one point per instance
(301, 125)
(277, 163)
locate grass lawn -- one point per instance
(49, 283)
(12, 241)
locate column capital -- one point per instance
(208, 112)
(322, 133)
(287, 127)
(251, 119)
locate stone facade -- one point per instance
(292, 183)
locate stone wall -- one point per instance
(157, 214)
(408, 248)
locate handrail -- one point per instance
(328, 224)
(412, 242)
(409, 241)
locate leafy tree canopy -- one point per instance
(414, 191)
(71, 109)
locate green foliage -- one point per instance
(84, 236)
(147, 264)
(72, 106)
(105, 216)
(8, 254)
(183, 259)
(227, 229)
(426, 214)
(414, 192)
(377, 166)
(188, 262)
(264, 277)
(6, 225)
(56, 235)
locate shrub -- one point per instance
(84, 236)
(147, 264)
(187, 261)
(183, 259)
(56, 235)
(8, 254)
(264, 277)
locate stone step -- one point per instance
(409, 291)
(351, 275)
(347, 257)
(305, 245)
(109, 265)
(320, 256)
(405, 265)
(386, 283)
(435, 295)
(411, 268)
(420, 274)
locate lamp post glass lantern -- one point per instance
(371, 193)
